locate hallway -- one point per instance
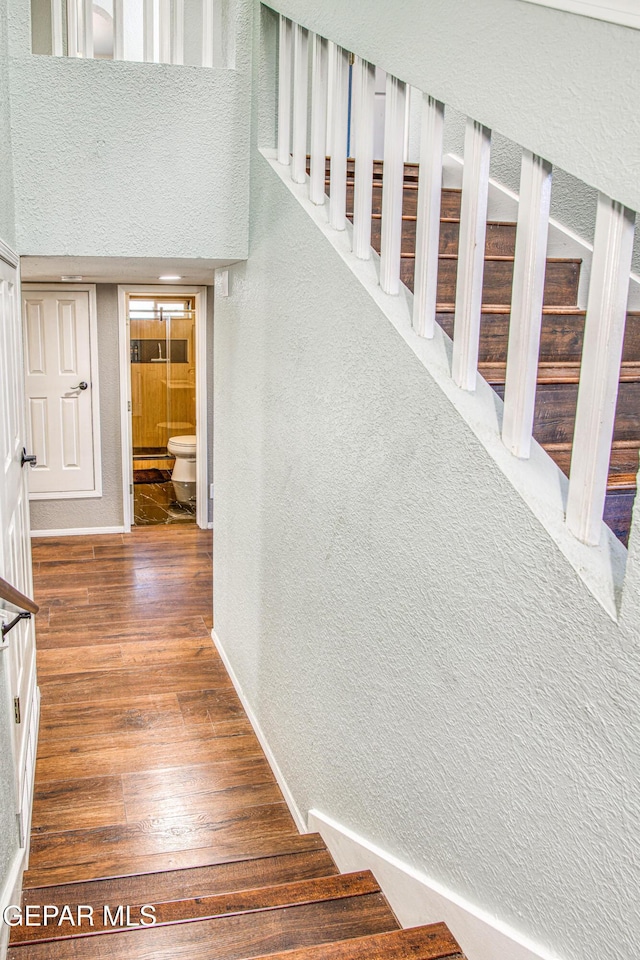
(155, 808)
(145, 758)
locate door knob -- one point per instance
(80, 386)
(28, 458)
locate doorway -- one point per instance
(163, 387)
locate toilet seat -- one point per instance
(184, 446)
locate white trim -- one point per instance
(11, 893)
(96, 424)
(202, 400)
(416, 898)
(8, 255)
(202, 493)
(295, 811)
(538, 481)
(624, 12)
(78, 532)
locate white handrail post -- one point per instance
(340, 93)
(207, 33)
(425, 284)
(72, 28)
(300, 101)
(364, 87)
(392, 184)
(600, 368)
(318, 146)
(473, 228)
(526, 304)
(118, 29)
(164, 31)
(87, 28)
(284, 91)
(177, 32)
(148, 31)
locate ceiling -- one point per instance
(118, 269)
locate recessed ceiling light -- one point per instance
(71, 279)
(169, 276)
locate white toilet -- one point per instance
(184, 470)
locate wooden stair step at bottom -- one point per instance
(209, 881)
(242, 847)
(201, 908)
(431, 942)
(235, 937)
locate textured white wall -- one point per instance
(427, 667)
(129, 159)
(7, 220)
(562, 85)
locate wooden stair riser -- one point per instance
(555, 410)
(501, 237)
(560, 337)
(561, 281)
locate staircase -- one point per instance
(294, 905)
(561, 338)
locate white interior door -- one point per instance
(60, 393)
(15, 545)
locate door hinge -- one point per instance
(129, 405)
(130, 488)
(16, 709)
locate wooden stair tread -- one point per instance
(429, 942)
(253, 900)
(230, 937)
(114, 866)
(191, 881)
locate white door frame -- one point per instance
(96, 425)
(154, 290)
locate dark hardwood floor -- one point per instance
(145, 758)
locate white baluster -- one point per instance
(473, 226)
(392, 184)
(72, 28)
(600, 369)
(207, 33)
(164, 31)
(118, 29)
(56, 28)
(364, 76)
(148, 28)
(428, 217)
(300, 101)
(526, 304)
(87, 28)
(319, 84)
(177, 32)
(339, 88)
(284, 91)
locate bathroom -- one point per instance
(162, 341)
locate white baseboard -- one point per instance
(77, 532)
(416, 899)
(10, 893)
(273, 763)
